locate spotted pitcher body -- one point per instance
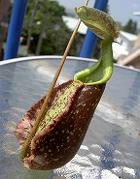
(71, 105)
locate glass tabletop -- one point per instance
(111, 147)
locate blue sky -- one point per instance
(121, 10)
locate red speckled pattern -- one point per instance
(60, 141)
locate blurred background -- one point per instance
(48, 24)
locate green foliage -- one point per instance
(56, 35)
(131, 26)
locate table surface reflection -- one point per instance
(111, 148)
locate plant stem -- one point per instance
(44, 107)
